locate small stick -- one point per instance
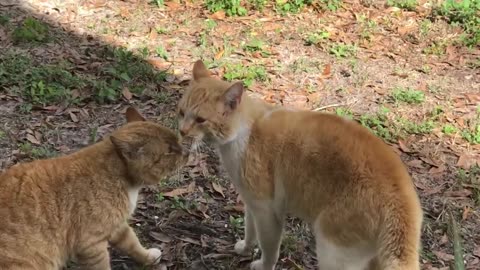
(334, 105)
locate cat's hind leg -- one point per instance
(94, 257)
(269, 229)
(125, 240)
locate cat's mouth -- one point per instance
(192, 144)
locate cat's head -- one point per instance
(208, 108)
(150, 151)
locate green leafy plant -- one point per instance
(408, 95)
(341, 50)
(332, 5)
(465, 13)
(248, 74)
(291, 6)
(231, 7)
(316, 37)
(404, 4)
(161, 52)
(31, 30)
(449, 129)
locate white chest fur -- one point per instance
(133, 198)
(232, 154)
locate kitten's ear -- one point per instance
(133, 115)
(200, 70)
(126, 149)
(233, 95)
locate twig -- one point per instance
(334, 105)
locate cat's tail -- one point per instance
(399, 239)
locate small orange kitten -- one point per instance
(71, 207)
(333, 173)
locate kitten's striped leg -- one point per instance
(245, 246)
(94, 258)
(125, 239)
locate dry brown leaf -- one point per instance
(73, 117)
(403, 146)
(417, 163)
(176, 192)
(218, 188)
(161, 237)
(476, 251)
(434, 190)
(219, 54)
(327, 71)
(466, 161)
(435, 170)
(126, 93)
(32, 139)
(466, 212)
(219, 15)
(443, 256)
(458, 193)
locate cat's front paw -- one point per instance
(241, 248)
(154, 255)
(259, 265)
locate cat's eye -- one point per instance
(181, 113)
(199, 120)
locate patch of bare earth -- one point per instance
(196, 217)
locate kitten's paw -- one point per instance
(154, 255)
(259, 265)
(241, 248)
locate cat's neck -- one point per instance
(248, 112)
(106, 159)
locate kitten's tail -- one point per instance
(400, 239)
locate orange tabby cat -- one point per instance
(346, 183)
(70, 207)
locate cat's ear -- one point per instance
(133, 115)
(233, 95)
(200, 70)
(127, 149)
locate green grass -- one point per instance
(341, 50)
(344, 112)
(380, 125)
(403, 4)
(248, 74)
(53, 83)
(37, 152)
(161, 52)
(464, 13)
(408, 95)
(449, 129)
(4, 20)
(31, 30)
(316, 37)
(231, 7)
(418, 128)
(472, 135)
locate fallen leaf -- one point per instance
(476, 251)
(32, 139)
(434, 190)
(327, 71)
(218, 188)
(219, 15)
(466, 212)
(443, 256)
(458, 193)
(403, 146)
(176, 192)
(436, 170)
(219, 54)
(73, 117)
(417, 163)
(161, 237)
(126, 93)
(465, 161)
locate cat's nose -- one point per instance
(182, 133)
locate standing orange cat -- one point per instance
(333, 173)
(70, 207)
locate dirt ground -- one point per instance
(401, 73)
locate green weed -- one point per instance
(4, 20)
(379, 124)
(472, 135)
(161, 52)
(231, 7)
(332, 5)
(449, 129)
(464, 13)
(258, 4)
(236, 223)
(421, 128)
(367, 27)
(248, 74)
(291, 6)
(404, 4)
(31, 30)
(408, 95)
(315, 38)
(341, 50)
(344, 112)
(36, 152)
